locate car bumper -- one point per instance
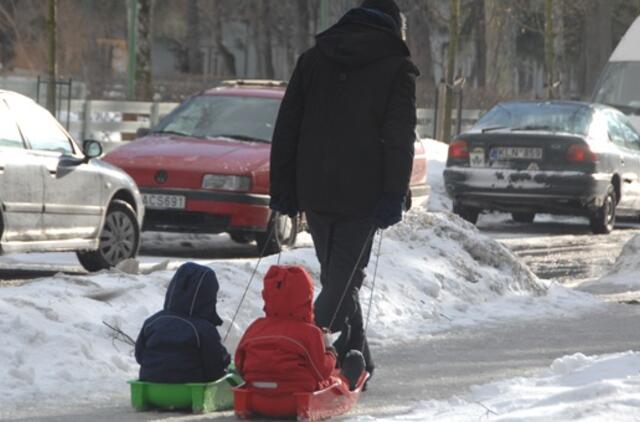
(527, 191)
(209, 212)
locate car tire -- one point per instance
(523, 217)
(242, 238)
(468, 213)
(285, 232)
(603, 219)
(120, 222)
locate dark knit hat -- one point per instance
(388, 7)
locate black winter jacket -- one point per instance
(346, 127)
(181, 344)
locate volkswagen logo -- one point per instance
(161, 177)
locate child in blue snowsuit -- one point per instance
(181, 344)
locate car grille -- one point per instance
(185, 221)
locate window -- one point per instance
(39, 128)
(9, 134)
(542, 115)
(631, 136)
(209, 116)
(619, 86)
(616, 133)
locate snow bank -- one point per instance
(437, 160)
(435, 271)
(575, 387)
(624, 275)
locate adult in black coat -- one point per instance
(181, 343)
(342, 152)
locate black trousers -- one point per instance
(339, 242)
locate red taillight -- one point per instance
(458, 150)
(581, 154)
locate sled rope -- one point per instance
(246, 290)
(372, 233)
(373, 283)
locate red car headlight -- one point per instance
(226, 182)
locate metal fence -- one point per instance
(116, 121)
(426, 121)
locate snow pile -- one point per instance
(435, 271)
(624, 275)
(437, 160)
(575, 387)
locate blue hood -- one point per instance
(193, 292)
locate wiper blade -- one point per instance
(534, 127)
(239, 137)
(171, 132)
(492, 128)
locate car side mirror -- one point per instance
(142, 131)
(91, 149)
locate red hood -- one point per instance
(221, 155)
(288, 293)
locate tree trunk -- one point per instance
(549, 51)
(562, 73)
(597, 42)
(500, 36)
(52, 64)
(228, 59)
(144, 88)
(262, 22)
(419, 42)
(452, 51)
(480, 45)
(194, 55)
(302, 33)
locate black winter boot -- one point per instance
(352, 368)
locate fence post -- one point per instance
(86, 119)
(155, 114)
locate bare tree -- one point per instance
(452, 51)
(598, 42)
(193, 53)
(144, 87)
(549, 53)
(51, 53)
(500, 37)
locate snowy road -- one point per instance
(448, 363)
(561, 249)
(444, 365)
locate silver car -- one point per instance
(55, 196)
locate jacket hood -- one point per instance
(288, 293)
(360, 37)
(193, 291)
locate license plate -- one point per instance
(164, 201)
(476, 157)
(518, 153)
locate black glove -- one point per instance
(389, 210)
(284, 204)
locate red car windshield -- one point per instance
(213, 116)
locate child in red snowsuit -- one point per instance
(285, 351)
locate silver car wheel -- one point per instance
(118, 238)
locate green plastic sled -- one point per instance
(200, 398)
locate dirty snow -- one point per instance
(624, 275)
(437, 161)
(575, 387)
(435, 272)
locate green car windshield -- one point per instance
(211, 116)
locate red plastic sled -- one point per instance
(322, 404)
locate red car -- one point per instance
(205, 167)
